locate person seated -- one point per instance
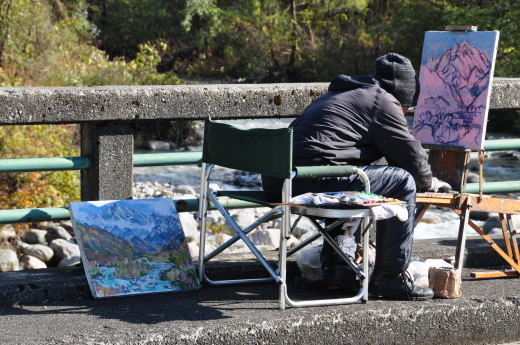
(357, 122)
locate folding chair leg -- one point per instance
(365, 238)
(202, 215)
(362, 294)
(284, 235)
(248, 243)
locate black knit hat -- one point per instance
(397, 76)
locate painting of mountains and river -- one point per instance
(132, 247)
(456, 74)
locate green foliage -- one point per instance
(50, 43)
(294, 40)
(37, 189)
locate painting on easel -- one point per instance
(456, 75)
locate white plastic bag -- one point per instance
(308, 261)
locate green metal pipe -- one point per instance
(502, 144)
(172, 158)
(44, 164)
(167, 158)
(494, 187)
(62, 213)
(33, 215)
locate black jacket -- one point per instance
(357, 122)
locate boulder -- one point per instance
(244, 217)
(8, 232)
(67, 224)
(479, 215)
(214, 187)
(70, 261)
(35, 236)
(57, 232)
(39, 251)
(8, 260)
(267, 238)
(190, 227)
(491, 224)
(157, 145)
(63, 248)
(185, 189)
(33, 263)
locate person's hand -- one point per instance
(439, 186)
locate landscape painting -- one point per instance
(455, 77)
(132, 247)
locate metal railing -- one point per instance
(180, 158)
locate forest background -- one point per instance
(136, 42)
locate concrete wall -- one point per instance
(30, 105)
(105, 114)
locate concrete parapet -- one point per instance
(31, 105)
(487, 313)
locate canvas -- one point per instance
(132, 247)
(455, 76)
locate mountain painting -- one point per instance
(455, 78)
(132, 247)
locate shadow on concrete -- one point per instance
(208, 303)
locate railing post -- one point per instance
(109, 146)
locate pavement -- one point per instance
(54, 307)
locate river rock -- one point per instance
(303, 226)
(63, 248)
(67, 224)
(508, 155)
(214, 187)
(8, 232)
(190, 226)
(70, 261)
(479, 215)
(35, 236)
(39, 251)
(157, 145)
(33, 263)
(473, 177)
(8, 260)
(244, 217)
(490, 224)
(185, 189)
(268, 238)
(237, 247)
(57, 232)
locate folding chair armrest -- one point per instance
(325, 171)
(331, 171)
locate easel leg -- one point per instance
(421, 210)
(461, 241)
(513, 235)
(505, 232)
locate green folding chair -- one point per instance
(269, 152)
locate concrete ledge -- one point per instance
(487, 313)
(32, 105)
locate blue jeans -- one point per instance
(394, 238)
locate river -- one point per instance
(437, 222)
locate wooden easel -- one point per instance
(451, 165)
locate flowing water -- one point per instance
(436, 222)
